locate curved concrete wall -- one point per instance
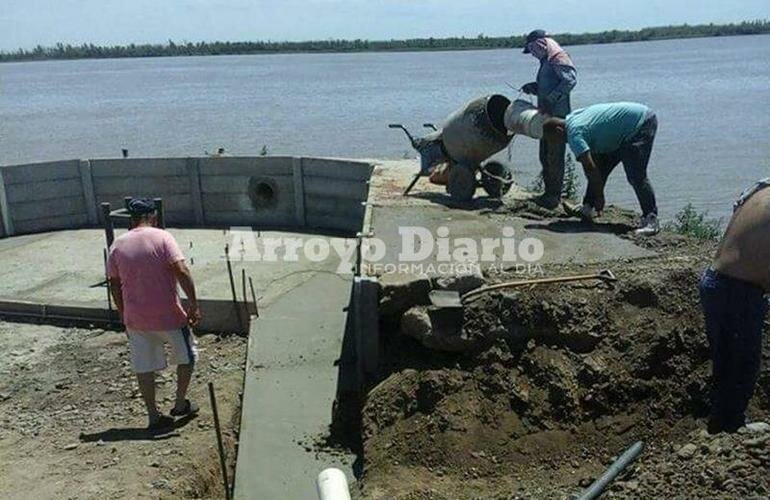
(308, 193)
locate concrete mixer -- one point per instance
(469, 137)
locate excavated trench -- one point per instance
(541, 388)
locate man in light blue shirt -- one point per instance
(603, 135)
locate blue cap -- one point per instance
(533, 35)
(138, 207)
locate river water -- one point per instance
(712, 97)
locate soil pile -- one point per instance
(729, 466)
(548, 385)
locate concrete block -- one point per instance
(44, 190)
(59, 207)
(247, 165)
(89, 195)
(154, 186)
(337, 169)
(39, 172)
(194, 175)
(336, 188)
(139, 167)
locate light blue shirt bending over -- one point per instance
(602, 128)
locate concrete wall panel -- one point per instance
(319, 193)
(51, 223)
(45, 190)
(139, 167)
(337, 169)
(249, 166)
(37, 172)
(141, 186)
(59, 207)
(336, 188)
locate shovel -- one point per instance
(451, 299)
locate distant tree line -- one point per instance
(91, 51)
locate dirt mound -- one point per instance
(560, 380)
(721, 466)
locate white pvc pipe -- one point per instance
(332, 485)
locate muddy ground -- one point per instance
(547, 385)
(72, 422)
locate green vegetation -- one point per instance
(90, 51)
(690, 222)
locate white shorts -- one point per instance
(149, 355)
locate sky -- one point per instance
(26, 23)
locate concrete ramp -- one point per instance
(291, 380)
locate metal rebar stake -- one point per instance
(222, 460)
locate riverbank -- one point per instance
(481, 42)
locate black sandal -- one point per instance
(189, 409)
(163, 423)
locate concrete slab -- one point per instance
(61, 267)
(289, 391)
(429, 207)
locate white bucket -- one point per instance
(523, 118)
(332, 485)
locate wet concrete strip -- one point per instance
(291, 381)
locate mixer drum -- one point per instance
(477, 131)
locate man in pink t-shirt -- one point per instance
(144, 268)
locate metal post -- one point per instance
(109, 229)
(222, 461)
(254, 297)
(161, 212)
(243, 285)
(126, 201)
(232, 287)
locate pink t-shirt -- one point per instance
(142, 259)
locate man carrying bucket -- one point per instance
(555, 80)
